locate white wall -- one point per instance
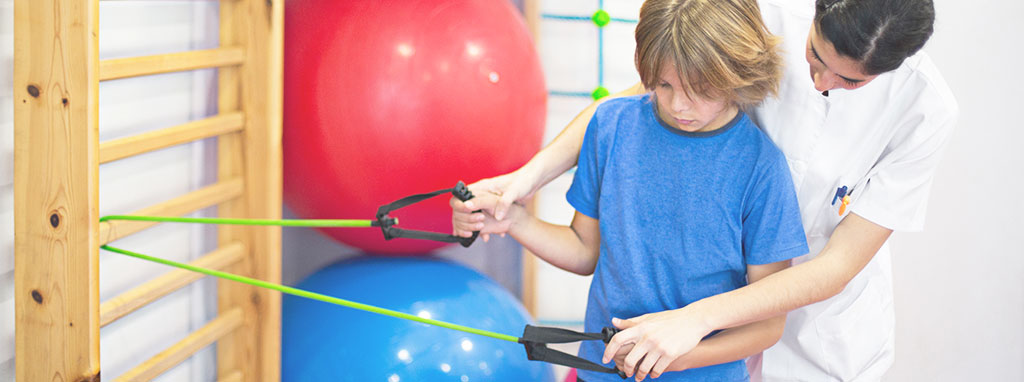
(132, 106)
(960, 284)
(6, 190)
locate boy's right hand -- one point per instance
(464, 223)
(494, 196)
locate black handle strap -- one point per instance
(387, 223)
(536, 338)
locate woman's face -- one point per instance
(829, 69)
(690, 114)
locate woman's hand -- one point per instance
(483, 221)
(657, 340)
(495, 196)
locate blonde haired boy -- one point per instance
(678, 195)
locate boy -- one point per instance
(679, 196)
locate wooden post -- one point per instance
(531, 13)
(56, 166)
(254, 88)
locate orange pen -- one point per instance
(846, 202)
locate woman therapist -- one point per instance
(862, 118)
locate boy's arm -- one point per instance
(563, 151)
(574, 248)
(726, 346)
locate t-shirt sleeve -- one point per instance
(772, 229)
(895, 194)
(584, 193)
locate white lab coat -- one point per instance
(882, 142)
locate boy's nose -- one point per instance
(681, 103)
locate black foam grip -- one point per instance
(462, 192)
(608, 332)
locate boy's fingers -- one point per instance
(635, 356)
(459, 206)
(660, 367)
(619, 340)
(646, 365)
(465, 225)
(464, 216)
(467, 217)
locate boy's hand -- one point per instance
(464, 223)
(495, 196)
(620, 357)
(657, 339)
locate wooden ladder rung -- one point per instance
(208, 334)
(172, 62)
(171, 136)
(130, 301)
(234, 376)
(205, 197)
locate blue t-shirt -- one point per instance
(681, 215)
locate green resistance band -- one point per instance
(312, 295)
(534, 339)
(261, 222)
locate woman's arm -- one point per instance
(739, 342)
(852, 245)
(726, 346)
(556, 158)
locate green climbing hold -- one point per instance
(599, 93)
(601, 18)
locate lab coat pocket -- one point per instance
(855, 329)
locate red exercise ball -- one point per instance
(384, 99)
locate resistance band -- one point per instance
(384, 220)
(534, 338)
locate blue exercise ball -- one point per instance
(326, 342)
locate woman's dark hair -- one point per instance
(879, 34)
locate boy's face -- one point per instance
(679, 110)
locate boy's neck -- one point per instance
(723, 119)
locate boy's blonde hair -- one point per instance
(720, 48)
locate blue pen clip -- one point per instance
(840, 192)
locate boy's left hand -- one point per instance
(620, 356)
(657, 339)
